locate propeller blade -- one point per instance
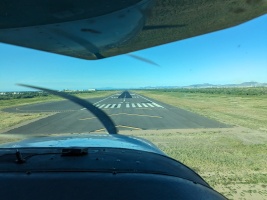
(143, 59)
(101, 115)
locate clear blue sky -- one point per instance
(234, 55)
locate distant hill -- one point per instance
(245, 84)
(207, 85)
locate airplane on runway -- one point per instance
(105, 166)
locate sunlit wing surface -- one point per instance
(98, 29)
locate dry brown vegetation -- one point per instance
(232, 160)
(247, 111)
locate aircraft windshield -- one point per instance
(201, 100)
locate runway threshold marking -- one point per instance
(113, 105)
(144, 105)
(107, 106)
(102, 106)
(150, 105)
(155, 104)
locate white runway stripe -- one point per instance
(113, 106)
(157, 105)
(150, 104)
(129, 105)
(107, 105)
(102, 106)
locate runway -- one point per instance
(128, 110)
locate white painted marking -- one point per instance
(102, 106)
(139, 105)
(157, 105)
(97, 105)
(150, 104)
(133, 105)
(113, 106)
(119, 105)
(107, 105)
(127, 105)
(83, 108)
(144, 105)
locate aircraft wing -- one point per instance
(103, 28)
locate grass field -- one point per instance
(233, 160)
(237, 110)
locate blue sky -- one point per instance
(234, 55)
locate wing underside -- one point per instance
(73, 29)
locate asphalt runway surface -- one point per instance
(128, 110)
